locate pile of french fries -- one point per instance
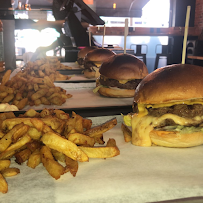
(22, 90)
(44, 67)
(52, 138)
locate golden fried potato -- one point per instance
(55, 141)
(53, 167)
(3, 184)
(34, 159)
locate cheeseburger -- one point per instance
(168, 108)
(82, 53)
(120, 75)
(93, 61)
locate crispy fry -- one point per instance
(33, 145)
(100, 152)
(71, 165)
(37, 123)
(22, 156)
(22, 103)
(45, 101)
(59, 156)
(8, 124)
(111, 143)
(34, 159)
(7, 139)
(34, 133)
(14, 147)
(40, 93)
(6, 77)
(80, 139)
(53, 167)
(9, 172)
(8, 98)
(87, 123)
(31, 113)
(4, 164)
(3, 184)
(54, 141)
(61, 114)
(20, 132)
(101, 128)
(99, 139)
(126, 132)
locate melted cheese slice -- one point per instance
(142, 126)
(143, 111)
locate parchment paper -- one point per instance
(84, 97)
(138, 174)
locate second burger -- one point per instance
(93, 61)
(120, 75)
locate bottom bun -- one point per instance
(110, 92)
(92, 74)
(88, 74)
(176, 139)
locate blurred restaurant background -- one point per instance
(155, 29)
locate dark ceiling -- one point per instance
(124, 8)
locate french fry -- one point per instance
(33, 145)
(7, 139)
(79, 123)
(126, 132)
(99, 139)
(97, 130)
(37, 123)
(87, 123)
(34, 133)
(8, 98)
(80, 139)
(20, 132)
(71, 165)
(61, 114)
(9, 172)
(22, 156)
(14, 147)
(59, 156)
(8, 124)
(53, 167)
(7, 89)
(31, 113)
(3, 94)
(57, 101)
(40, 93)
(54, 141)
(111, 143)
(100, 152)
(1, 133)
(3, 184)
(6, 77)
(4, 164)
(45, 101)
(34, 159)
(22, 103)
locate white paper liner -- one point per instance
(138, 174)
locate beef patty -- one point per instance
(131, 84)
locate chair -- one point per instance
(140, 51)
(165, 53)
